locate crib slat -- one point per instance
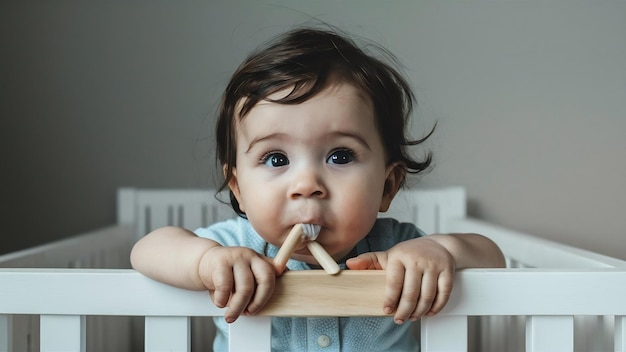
(451, 206)
(444, 333)
(219, 212)
(62, 333)
(620, 333)
(593, 333)
(430, 209)
(248, 334)
(161, 215)
(427, 218)
(6, 333)
(191, 215)
(549, 333)
(167, 334)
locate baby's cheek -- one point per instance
(361, 220)
(266, 224)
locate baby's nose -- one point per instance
(307, 183)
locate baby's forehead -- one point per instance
(341, 89)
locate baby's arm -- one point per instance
(236, 277)
(420, 272)
(471, 250)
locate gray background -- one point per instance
(529, 96)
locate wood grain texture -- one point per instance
(315, 293)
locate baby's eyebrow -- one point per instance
(354, 136)
(272, 136)
(285, 136)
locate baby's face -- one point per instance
(319, 162)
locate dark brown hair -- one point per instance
(307, 60)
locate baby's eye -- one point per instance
(341, 156)
(275, 159)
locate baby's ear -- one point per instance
(393, 181)
(233, 185)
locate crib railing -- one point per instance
(549, 298)
(108, 247)
(527, 251)
(548, 288)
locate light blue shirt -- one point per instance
(323, 334)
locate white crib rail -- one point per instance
(531, 251)
(108, 247)
(551, 298)
(531, 292)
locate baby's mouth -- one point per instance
(302, 246)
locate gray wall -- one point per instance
(529, 96)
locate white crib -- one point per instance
(551, 297)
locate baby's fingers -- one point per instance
(395, 276)
(444, 290)
(427, 295)
(367, 261)
(242, 293)
(221, 286)
(265, 278)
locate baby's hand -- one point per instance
(420, 275)
(237, 278)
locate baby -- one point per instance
(311, 130)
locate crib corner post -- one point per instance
(620, 333)
(6, 333)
